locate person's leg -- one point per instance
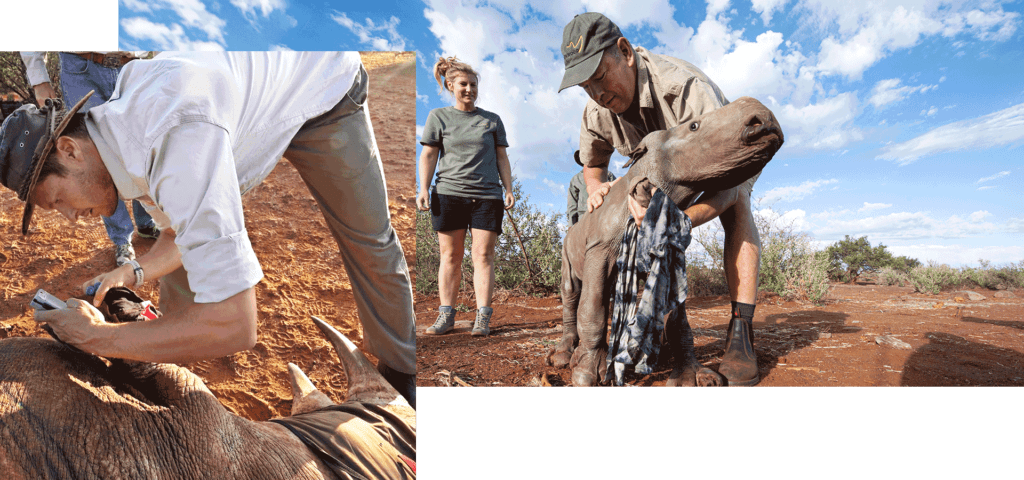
(742, 255)
(336, 155)
(483, 266)
(78, 76)
(449, 274)
(143, 221)
(119, 230)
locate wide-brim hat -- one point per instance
(583, 42)
(26, 138)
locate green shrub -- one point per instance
(889, 276)
(935, 278)
(790, 266)
(850, 258)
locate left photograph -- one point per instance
(169, 277)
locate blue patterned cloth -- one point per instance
(658, 249)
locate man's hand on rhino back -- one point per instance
(596, 198)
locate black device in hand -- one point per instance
(44, 301)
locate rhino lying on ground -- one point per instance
(65, 414)
(717, 151)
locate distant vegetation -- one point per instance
(790, 265)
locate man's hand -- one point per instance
(636, 210)
(423, 200)
(77, 325)
(123, 276)
(43, 91)
(596, 198)
(510, 200)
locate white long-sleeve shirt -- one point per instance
(189, 133)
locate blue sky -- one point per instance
(904, 121)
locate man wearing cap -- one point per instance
(187, 134)
(80, 73)
(577, 199)
(634, 92)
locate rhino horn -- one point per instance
(305, 397)
(365, 383)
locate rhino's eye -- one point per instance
(694, 126)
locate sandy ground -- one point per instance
(303, 274)
(949, 340)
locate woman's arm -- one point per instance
(428, 162)
(505, 172)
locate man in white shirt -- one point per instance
(187, 134)
(81, 72)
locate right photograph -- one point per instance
(744, 206)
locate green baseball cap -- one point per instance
(583, 41)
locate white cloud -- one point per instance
(978, 216)
(419, 132)
(767, 8)
(164, 37)
(383, 37)
(911, 225)
(280, 48)
(556, 188)
(873, 206)
(956, 255)
(193, 14)
(794, 193)
(930, 111)
(986, 188)
(248, 7)
(889, 91)
(1004, 127)
(827, 124)
(993, 177)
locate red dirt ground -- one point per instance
(303, 273)
(953, 341)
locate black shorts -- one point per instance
(452, 212)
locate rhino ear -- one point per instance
(642, 190)
(365, 383)
(305, 397)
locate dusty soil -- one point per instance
(951, 340)
(303, 274)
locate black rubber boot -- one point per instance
(739, 364)
(405, 383)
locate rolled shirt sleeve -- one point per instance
(432, 130)
(193, 181)
(35, 68)
(595, 150)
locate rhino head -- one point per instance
(716, 151)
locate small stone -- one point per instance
(1004, 294)
(891, 341)
(824, 335)
(973, 296)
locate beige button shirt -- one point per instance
(672, 92)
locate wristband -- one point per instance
(139, 275)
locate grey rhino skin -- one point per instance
(65, 414)
(717, 151)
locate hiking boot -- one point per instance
(445, 322)
(123, 254)
(739, 364)
(482, 328)
(150, 232)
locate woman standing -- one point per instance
(466, 145)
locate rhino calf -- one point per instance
(717, 151)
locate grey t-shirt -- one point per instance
(468, 163)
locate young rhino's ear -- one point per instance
(642, 190)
